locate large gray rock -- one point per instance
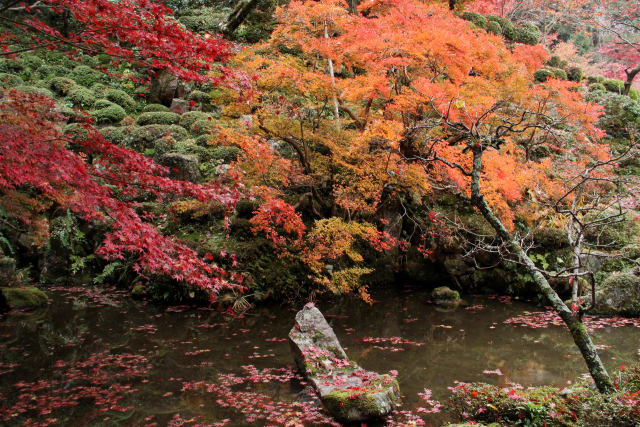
(620, 294)
(349, 392)
(182, 167)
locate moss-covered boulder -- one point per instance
(109, 115)
(182, 167)
(349, 392)
(149, 108)
(29, 297)
(121, 98)
(142, 137)
(619, 294)
(445, 296)
(7, 270)
(158, 118)
(82, 98)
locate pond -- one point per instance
(96, 357)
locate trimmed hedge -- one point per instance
(155, 108)
(62, 85)
(142, 137)
(494, 27)
(158, 118)
(527, 34)
(86, 76)
(507, 27)
(109, 115)
(475, 18)
(542, 75)
(10, 80)
(82, 97)
(190, 117)
(120, 97)
(574, 74)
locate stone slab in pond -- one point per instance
(349, 392)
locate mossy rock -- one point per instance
(121, 98)
(619, 294)
(155, 108)
(477, 19)
(86, 76)
(199, 96)
(62, 85)
(350, 406)
(109, 115)
(225, 153)
(10, 80)
(445, 294)
(82, 97)
(527, 34)
(189, 118)
(29, 297)
(158, 118)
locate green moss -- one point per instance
(102, 103)
(542, 75)
(109, 115)
(87, 76)
(81, 97)
(620, 294)
(32, 62)
(199, 96)
(225, 154)
(62, 85)
(444, 293)
(142, 137)
(33, 90)
(203, 127)
(155, 108)
(46, 71)
(121, 98)
(99, 89)
(29, 297)
(158, 118)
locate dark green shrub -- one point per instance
(542, 75)
(82, 98)
(34, 90)
(508, 30)
(155, 107)
(225, 153)
(614, 85)
(556, 62)
(203, 127)
(158, 118)
(91, 61)
(202, 140)
(99, 89)
(121, 98)
(246, 207)
(9, 80)
(199, 96)
(190, 117)
(477, 19)
(527, 34)
(494, 27)
(574, 74)
(583, 42)
(12, 66)
(142, 137)
(592, 79)
(47, 71)
(102, 103)
(32, 62)
(109, 115)
(559, 74)
(597, 87)
(76, 130)
(634, 94)
(620, 113)
(86, 76)
(62, 85)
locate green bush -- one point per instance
(62, 85)
(202, 140)
(583, 42)
(102, 103)
(597, 87)
(574, 74)
(86, 76)
(556, 62)
(477, 19)
(542, 75)
(508, 30)
(9, 80)
(99, 89)
(203, 127)
(109, 115)
(35, 90)
(91, 61)
(47, 71)
(199, 96)
(11, 66)
(527, 34)
(225, 153)
(158, 118)
(190, 117)
(634, 94)
(155, 108)
(614, 85)
(620, 113)
(32, 62)
(559, 74)
(494, 27)
(142, 137)
(121, 98)
(82, 98)
(76, 130)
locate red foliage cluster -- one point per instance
(142, 32)
(92, 181)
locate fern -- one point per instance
(108, 270)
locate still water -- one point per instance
(96, 357)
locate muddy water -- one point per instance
(125, 362)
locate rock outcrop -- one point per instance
(349, 392)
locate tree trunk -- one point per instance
(578, 332)
(631, 74)
(237, 16)
(452, 4)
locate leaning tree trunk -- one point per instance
(237, 16)
(631, 74)
(576, 327)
